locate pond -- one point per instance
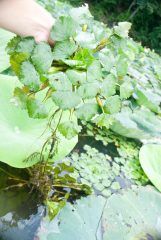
(22, 209)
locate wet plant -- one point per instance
(95, 81)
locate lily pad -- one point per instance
(133, 214)
(4, 58)
(150, 159)
(83, 224)
(21, 136)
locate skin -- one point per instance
(26, 18)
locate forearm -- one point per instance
(25, 18)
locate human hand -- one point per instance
(26, 18)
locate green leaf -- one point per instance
(86, 40)
(60, 82)
(92, 214)
(122, 29)
(94, 71)
(26, 45)
(74, 63)
(36, 109)
(89, 90)
(108, 87)
(20, 97)
(29, 76)
(4, 58)
(16, 60)
(132, 214)
(69, 129)
(20, 50)
(125, 126)
(84, 55)
(87, 111)
(81, 14)
(103, 120)
(148, 122)
(141, 124)
(63, 50)
(21, 45)
(12, 44)
(22, 137)
(76, 77)
(150, 159)
(66, 100)
(126, 89)
(112, 105)
(107, 60)
(64, 146)
(42, 57)
(63, 29)
(122, 67)
(84, 216)
(148, 99)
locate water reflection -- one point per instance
(20, 211)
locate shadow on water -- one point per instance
(111, 149)
(20, 210)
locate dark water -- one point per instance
(20, 209)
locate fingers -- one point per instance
(26, 18)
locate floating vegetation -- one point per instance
(104, 174)
(132, 214)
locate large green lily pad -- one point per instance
(21, 136)
(129, 215)
(77, 222)
(133, 215)
(5, 36)
(150, 159)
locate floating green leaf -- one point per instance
(4, 58)
(22, 137)
(148, 99)
(81, 218)
(132, 214)
(150, 159)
